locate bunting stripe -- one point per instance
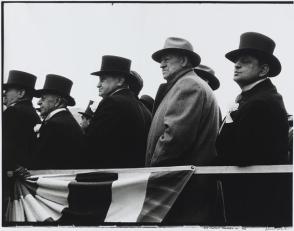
(97, 197)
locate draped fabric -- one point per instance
(97, 196)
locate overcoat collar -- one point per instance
(165, 87)
(262, 86)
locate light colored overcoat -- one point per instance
(185, 125)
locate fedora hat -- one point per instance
(20, 79)
(135, 82)
(177, 45)
(207, 74)
(114, 65)
(258, 45)
(59, 85)
(88, 112)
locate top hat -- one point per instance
(135, 82)
(20, 79)
(258, 45)
(59, 85)
(114, 65)
(88, 112)
(178, 45)
(207, 74)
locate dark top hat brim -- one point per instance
(101, 73)
(14, 85)
(213, 82)
(194, 58)
(39, 93)
(271, 60)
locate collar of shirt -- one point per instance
(54, 112)
(252, 85)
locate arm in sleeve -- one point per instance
(181, 122)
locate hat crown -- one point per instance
(22, 79)
(58, 83)
(111, 63)
(178, 43)
(205, 68)
(257, 41)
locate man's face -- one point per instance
(107, 84)
(170, 64)
(247, 70)
(47, 103)
(12, 95)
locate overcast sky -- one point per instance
(70, 39)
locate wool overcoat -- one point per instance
(60, 144)
(183, 132)
(257, 134)
(185, 125)
(117, 134)
(19, 138)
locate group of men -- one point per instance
(183, 127)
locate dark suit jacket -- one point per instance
(258, 135)
(18, 134)
(117, 134)
(60, 144)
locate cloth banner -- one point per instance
(97, 196)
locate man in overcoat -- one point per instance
(60, 138)
(117, 134)
(184, 129)
(185, 122)
(256, 133)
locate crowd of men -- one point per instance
(183, 126)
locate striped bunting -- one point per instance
(97, 196)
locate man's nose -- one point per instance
(99, 84)
(237, 65)
(39, 102)
(162, 64)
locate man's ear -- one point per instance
(264, 70)
(21, 93)
(184, 61)
(121, 81)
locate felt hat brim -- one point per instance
(213, 82)
(194, 57)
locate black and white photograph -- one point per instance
(147, 114)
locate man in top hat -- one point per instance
(86, 116)
(19, 120)
(60, 138)
(118, 132)
(256, 133)
(184, 125)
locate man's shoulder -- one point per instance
(23, 110)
